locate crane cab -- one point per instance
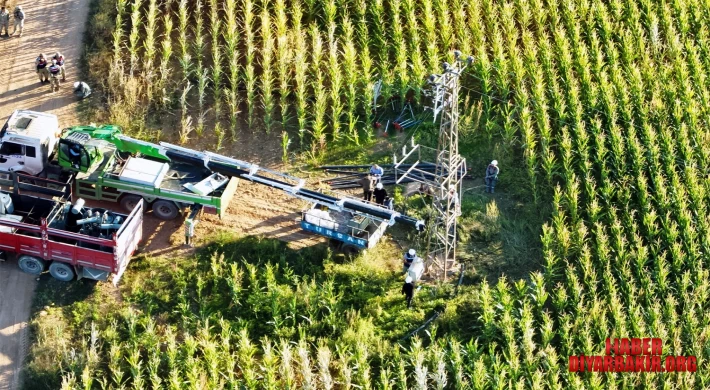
(27, 140)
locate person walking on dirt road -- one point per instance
(60, 62)
(368, 186)
(41, 65)
(4, 22)
(492, 176)
(19, 20)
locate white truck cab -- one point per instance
(27, 140)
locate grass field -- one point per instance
(596, 110)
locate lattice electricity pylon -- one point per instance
(446, 182)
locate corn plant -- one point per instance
(231, 38)
(267, 77)
(318, 123)
(166, 52)
(149, 44)
(216, 74)
(284, 59)
(133, 37)
(285, 143)
(185, 56)
(249, 71)
(186, 126)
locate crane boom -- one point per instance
(231, 167)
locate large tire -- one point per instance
(334, 244)
(165, 210)
(129, 202)
(31, 264)
(350, 250)
(61, 271)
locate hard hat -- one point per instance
(19, 7)
(379, 186)
(57, 54)
(54, 62)
(494, 162)
(408, 279)
(412, 252)
(41, 54)
(76, 84)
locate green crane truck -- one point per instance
(106, 166)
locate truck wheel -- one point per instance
(129, 202)
(350, 250)
(61, 271)
(334, 244)
(165, 210)
(31, 264)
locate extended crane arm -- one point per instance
(231, 167)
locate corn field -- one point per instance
(604, 103)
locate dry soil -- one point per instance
(50, 26)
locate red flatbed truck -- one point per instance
(69, 240)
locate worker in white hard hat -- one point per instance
(380, 194)
(81, 89)
(408, 290)
(409, 257)
(492, 176)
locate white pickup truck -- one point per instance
(27, 141)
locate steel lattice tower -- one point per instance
(447, 180)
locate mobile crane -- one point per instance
(101, 163)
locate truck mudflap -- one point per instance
(127, 240)
(227, 196)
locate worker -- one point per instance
(380, 194)
(54, 72)
(41, 65)
(454, 197)
(389, 203)
(189, 232)
(60, 61)
(368, 186)
(4, 22)
(81, 89)
(492, 176)
(408, 290)
(409, 258)
(425, 190)
(376, 171)
(19, 20)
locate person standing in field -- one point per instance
(380, 194)
(41, 65)
(19, 20)
(4, 22)
(368, 186)
(60, 62)
(409, 258)
(408, 290)
(492, 176)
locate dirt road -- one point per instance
(50, 26)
